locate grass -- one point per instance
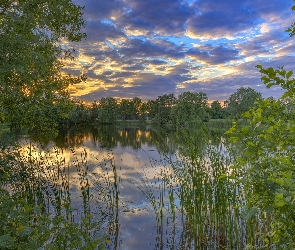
(199, 201)
(4, 128)
(196, 195)
(41, 205)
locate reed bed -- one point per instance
(196, 195)
(199, 200)
(41, 180)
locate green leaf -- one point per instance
(248, 213)
(223, 176)
(289, 74)
(26, 232)
(279, 200)
(270, 85)
(234, 139)
(279, 181)
(7, 242)
(259, 66)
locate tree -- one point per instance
(130, 109)
(161, 109)
(80, 113)
(291, 30)
(240, 102)
(144, 111)
(268, 158)
(190, 106)
(124, 109)
(135, 107)
(216, 111)
(108, 110)
(33, 87)
(151, 107)
(94, 111)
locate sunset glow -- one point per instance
(150, 48)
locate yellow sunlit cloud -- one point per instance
(265, 28)
(215, 71)
(212, 35)
(86, 88)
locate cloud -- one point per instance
(147, 85)
(213, 54)
(139, 48)
(216, 19)
(99, 31)
(145, 48)
(220, 18)
(101, 9)
(155, 17)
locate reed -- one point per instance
(39, 193)
(199, 201)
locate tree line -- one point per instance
(166, 109)
(34, 88)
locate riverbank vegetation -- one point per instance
(166, 110)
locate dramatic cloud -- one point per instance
(216, 19)
(156, 17)
(213, 54)
(150, 48)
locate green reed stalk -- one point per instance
(34, 178)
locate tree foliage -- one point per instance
(124, 109)
(190, 106)
(216, 111)
(291, 30)
(33, 87)
(161, 109)
(240, 101)
(268, 157)
(108, 110)
(130, 109)
(268, 143)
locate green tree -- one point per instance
(216, 111)
(124, 109)
(33, 88)
(130, 109)
(241, 101)
(144, 111)
(268, 158)
(94, 111)
(291, 30)
(151, 107)
(161, 109)
(190, 106)
(80, 113)
(135, 107)
(108, 110)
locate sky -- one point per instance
(148, 48)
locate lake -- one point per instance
(147, 188)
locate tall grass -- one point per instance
(199, 201)
(53, 199)
(39, 185)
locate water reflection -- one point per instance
(148, 189)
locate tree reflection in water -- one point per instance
(147, 188)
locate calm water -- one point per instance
(140, 187)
